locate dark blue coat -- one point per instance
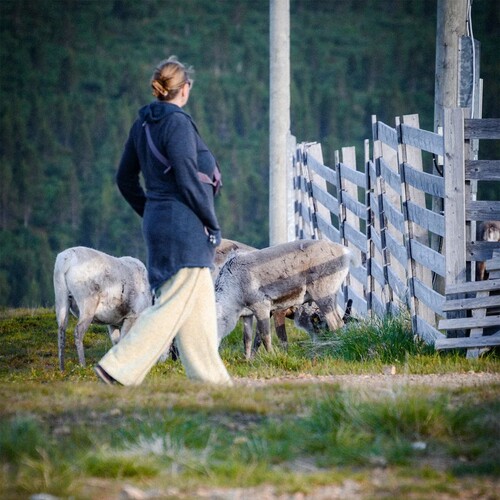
(177, 208)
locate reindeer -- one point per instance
(96, 287)
(488, 231)
(277, 278)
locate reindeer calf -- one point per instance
(97, 287)
(280, 277)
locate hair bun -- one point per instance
(159, 88)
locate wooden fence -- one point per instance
(386, 212)
(471, 306)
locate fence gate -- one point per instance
(384, 212)
(474, 302)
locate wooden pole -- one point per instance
(451, 25)
(279, 119)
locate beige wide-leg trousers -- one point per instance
(184, 308)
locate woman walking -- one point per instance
(181, 231)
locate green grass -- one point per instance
(68, 435)
(386, 340)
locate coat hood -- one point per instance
(157, 111)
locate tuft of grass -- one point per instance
(365, 346)
(46, 473)
(32, 458)
(387, 340)
(116, 465)
(20, 437)
(400, 428)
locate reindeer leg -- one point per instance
(264, 332)
(114, 334)
(61, 337)
(279, 324)
(257, 341)
(481, 271)
(80, 329)
(247, 335)
(62, 316)
(347, 314)
(61, 345)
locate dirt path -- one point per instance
(377, 482)
(384, 381)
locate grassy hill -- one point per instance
(384, 417)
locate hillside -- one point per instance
(74, 73)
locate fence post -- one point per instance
(314, 149)
(472, 153)
(412, 156)
(305, 227)
(385, 294)
(390, 156)
(290, 182)
(341, 214)
(297, 183)
(454, 204)
(351, 189)
(454, 201)
(370, 247)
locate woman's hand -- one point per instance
(214, 237)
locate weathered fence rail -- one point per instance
(384, 212)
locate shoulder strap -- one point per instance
(216, 182)
(154, 149)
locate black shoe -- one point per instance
(104, 376)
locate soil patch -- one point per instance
(385, 381)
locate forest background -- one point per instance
(73, 74)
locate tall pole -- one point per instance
(279, 118)
(451, 26)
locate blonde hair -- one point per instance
(169, 77)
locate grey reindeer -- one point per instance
(277, 278)
(97, 287)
